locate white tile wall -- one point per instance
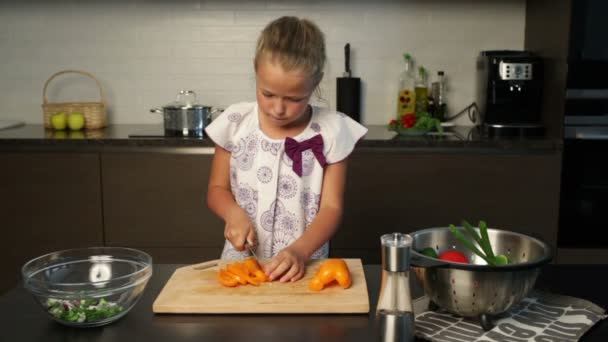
(144, 51)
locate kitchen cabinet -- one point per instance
(157, 202)
(408, 191)
(49, 201)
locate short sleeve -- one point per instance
(346, 134)
(224, 128)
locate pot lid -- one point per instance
(185, 99)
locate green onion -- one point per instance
(467, 243)
(483, 240)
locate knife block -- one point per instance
(348, 93)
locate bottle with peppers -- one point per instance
(406, 100)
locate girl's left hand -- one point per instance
(288, 264)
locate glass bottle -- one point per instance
(438, 95)
(406, 99)
(421, 90)
(394, 313)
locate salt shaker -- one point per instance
(394, 312)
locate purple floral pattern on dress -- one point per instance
(279, 241)
(238, 148)
(287, 222)
(310, 204)
(229, 146)
(246, 198)
(264, 174)
(277, 207)
(251, 144)
(315, 127)
(272, 147)
(288, 187)
(245, 161)
(234, 117)
(247, 149)
(244, 194)
(267, 218)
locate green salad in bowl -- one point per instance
(88, 287)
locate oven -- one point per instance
(583, 215)
(584, 191)
(584, 186)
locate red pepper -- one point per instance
(454, 256)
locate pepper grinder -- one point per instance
(394, 311)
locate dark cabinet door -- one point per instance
(49, 201)
(405, 192)
(157, 202)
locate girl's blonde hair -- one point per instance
(295, 44)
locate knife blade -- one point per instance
(252, 251)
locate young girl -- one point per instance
(278, 173)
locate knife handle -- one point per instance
(347, 60)
(206, 264)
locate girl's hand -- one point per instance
(288, 265)
(239, 229)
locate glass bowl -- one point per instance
(88, 287)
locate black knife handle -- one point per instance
(347, 59)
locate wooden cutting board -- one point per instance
(198, 291)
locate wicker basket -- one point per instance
(95, 116)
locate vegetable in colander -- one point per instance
(483, 241)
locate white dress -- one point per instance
(280, 203)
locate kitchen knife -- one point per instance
(346, 60)
(205, 265)
(252, 251)
(348, 90)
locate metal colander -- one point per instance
(478, 289)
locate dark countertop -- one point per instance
(21, 319)
(151, 137)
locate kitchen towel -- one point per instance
(540, 314)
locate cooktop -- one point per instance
(159, 132)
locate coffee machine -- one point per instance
(509, 93)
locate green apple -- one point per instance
(59, 134)
(59, 120)
(75, 121)
(76, 135)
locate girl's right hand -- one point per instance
(239, 229)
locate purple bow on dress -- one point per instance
(294, 151)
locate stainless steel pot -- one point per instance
(185, 117)
(477, 289)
